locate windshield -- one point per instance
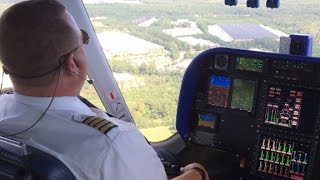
(149, 44)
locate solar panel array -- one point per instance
(247, 31)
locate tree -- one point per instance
(174, 50)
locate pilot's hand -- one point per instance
(194, 166)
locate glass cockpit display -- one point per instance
(207, 120)
(283, 107)
(219, 87)
(243, 94)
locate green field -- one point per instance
(157, 134)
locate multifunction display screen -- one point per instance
(283, 107)
(243, 94)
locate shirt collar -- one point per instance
(71, 103)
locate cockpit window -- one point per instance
(149, 44)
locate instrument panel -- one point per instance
(263, 109)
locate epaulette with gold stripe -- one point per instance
(6, 91)
(100, 124)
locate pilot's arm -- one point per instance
(131, 157)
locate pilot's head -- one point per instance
(39, 42)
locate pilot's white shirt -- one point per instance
(121, 154)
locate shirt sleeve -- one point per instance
(131, 157)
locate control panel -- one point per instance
(261, 108)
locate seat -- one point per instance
(22, 162)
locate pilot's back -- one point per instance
(117, 152)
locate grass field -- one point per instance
(157, 134)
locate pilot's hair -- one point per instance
(33, 36)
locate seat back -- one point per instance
(19, 161)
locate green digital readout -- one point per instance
(249, 64)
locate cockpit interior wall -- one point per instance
(253, 113)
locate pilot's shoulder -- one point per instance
(100, 124)
(122, 126)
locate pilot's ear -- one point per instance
(69, 62)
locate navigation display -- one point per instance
(218, 94)
(243, 94)
(249, 64)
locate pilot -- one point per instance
(41, 48)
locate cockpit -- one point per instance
(253, 109)
(232, 85)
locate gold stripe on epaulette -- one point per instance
(88, 120)
(95, 122)
(100, 124)
(107, 128)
